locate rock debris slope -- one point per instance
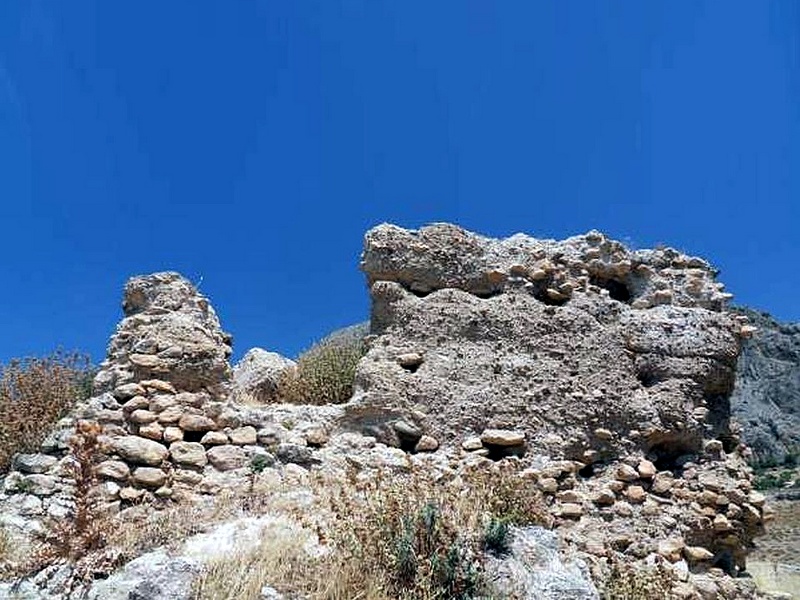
(766, 399)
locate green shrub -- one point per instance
(34, 394)
(497, 537)
(773, 480)
(424, 539)
(325, 373)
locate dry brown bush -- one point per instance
(34, 394)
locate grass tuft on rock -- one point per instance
(325, 373)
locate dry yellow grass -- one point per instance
(404, 537)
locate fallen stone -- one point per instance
(569, 511)
(646, 469)
(502, 437)
(471, 444)
(636, 494)
(626, 473)
(294, 453)
(427, 443)
(671, 549)
(696, 554)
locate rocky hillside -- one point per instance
(766, 398)
(531, 419)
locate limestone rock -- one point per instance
(243, 436)
(227, 458)
(192, 422)
(152, 575)
(766, 398)
(258, 373)
(149, 477)
(139, 450)
(502, 437)
(113, 469)
(188, 453)
(534, 569)
(33, 463)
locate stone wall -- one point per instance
(591, 349)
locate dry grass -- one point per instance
(408, 537)
(280, 559)
(7, 554)
(325, 373)
(626, 581)
(34, 394)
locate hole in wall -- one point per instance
(486, 295)
(669, 455)
(617, 290)
(193, 436)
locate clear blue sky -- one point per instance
(252, 143)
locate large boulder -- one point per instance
(258, 373)
(590, 349)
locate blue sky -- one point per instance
(250, 144)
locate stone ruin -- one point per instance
(618, 363)
(161, 397)
(605, 373)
